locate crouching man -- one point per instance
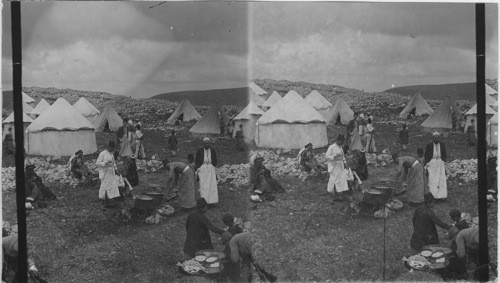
(239, 249)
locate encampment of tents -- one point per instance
(211, 124)
(340, 113)
(84, 107)
(187, 111)
(257, 89)
(319, 102)
(443, 119)
(472, 115)
(60, 131)
(247, 119)
(40, 108)
(291, 124)
(492, 131)
(9, 123)
(273, 99)
(108, 120)
(418, 105)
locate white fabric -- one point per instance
(335, 159)
(291, 109)
(414, 163)
(317, 101)
(84, 107)
(208, 183)
(60, 116)
(107, 166)
(299, 156)
(41, 107)
(257, 89)
(248, 112)
(273, 99)
(291, 136)
(437, 178)
(436, 153)
(60, 143)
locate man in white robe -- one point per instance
(435, 157)
(206, 162)
(335, 159)
(107, 166)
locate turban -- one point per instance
(435, 134)
(206, 140)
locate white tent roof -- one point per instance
(256, 89)
(60, 116)
(340, 109)
(291, 109)
(10, 118)
(187, 110)
(273, 99)
(494, 120)
(251, 109)
(473, 110)
(41, 106)
(491, 101)
(27, 108)
(27, 98)
(490, 90)
(317, 101)
(419, 104)
(84, 107)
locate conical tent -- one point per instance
(84, 107)
(9, 123)
(257, 89)
(319, 102)
(187, 110)
(247, 119)
(253, 97)
(27, 99)
(419, 104)
(442, 118)
(273, 99)
(40, 107)
(291, 124)
(108, 117)
(27, 108)
(492, 131)
(60, 131)
(340, 113)
(490, 90)
(471, 115)
(210, 124)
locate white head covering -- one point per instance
(362, 115)
(206, 139)
(435, 134)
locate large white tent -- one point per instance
(9, 123)
(210, 124)
(187, 111)
(84, 107)
(291, 124)
(492, 131)
(40, 108)
(273, 99)
(247, 119)
(417, 104)
(472, 115)
(443, 117)
(256, 89)
(60, 131)
(255, 98)
(319, 102)
(491, 92)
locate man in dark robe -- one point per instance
(240, 139)
(424, 225)
(172, 144)
(197, 230)
(9, 142)
(471, 134)
(35, 189)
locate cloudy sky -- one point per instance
(369, 46)
(129, 48)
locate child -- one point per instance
(460, 223)
(403, 137)
(420, 154)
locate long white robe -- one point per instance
(335, 158)
(107, 166)
(437, 174)
(208, 179)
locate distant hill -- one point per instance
(459, 91)
(229, 96)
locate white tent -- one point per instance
(187, 111)
(340, 113)
(210, 124)
(418, 104)
(108, 120)
(443, 118)
(257, 89)
(319, 102)
(253, 97)
(273, 99)
(84, 107)
(472, 115)
(40, 108)
(27, 108)
(291, 124)
(247, 119)
(27, 99)
(60, 131)
(9, 123)
(491, 92)
(492, 131)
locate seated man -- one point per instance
(78, 169)
(307, 161)
(262, 181)
(466, 248)
(35, 189)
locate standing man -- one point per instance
(9, 142)
(413, 170)
(131, 131)
(336, 165)
(172, 144)
(182, 175)
(240, 139)
(435, 157)
(197, 231)
(471, 134)
(353, 134)
(107, 173)
(206, 162)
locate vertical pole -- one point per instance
(482, 271)
(383, 271)
(19, 137)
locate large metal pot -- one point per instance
(157, 197)
(377, 195)
(144, 202)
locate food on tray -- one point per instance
(215, 265)
(200, 258)
(437, 254)
(211, 259)
(417, 261)
(440, 260)
(192, 266)
(426, 253)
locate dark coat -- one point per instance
(172, 142)
(429, 151)
(424, 228)
(200, 157)
(198, 236)
(403, 136)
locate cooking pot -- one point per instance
(157, 198)
(377, 195)
(144, 202)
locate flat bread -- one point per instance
(437, 254)
(440, 260)
(211, 259)
(200, 258)
(215, 265)
(426, 253)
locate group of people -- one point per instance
(130, 140)
(361, 131)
